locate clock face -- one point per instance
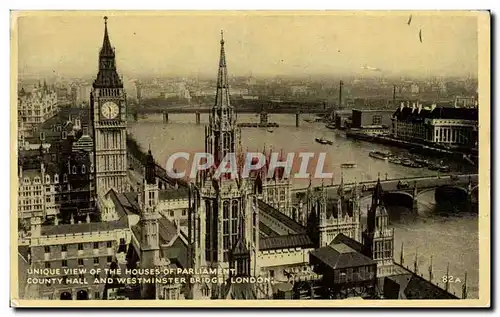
(110, 110)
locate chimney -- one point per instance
(402, 106)
(419, 107)
(413, 107)
(178, 225)
(72, 220)
(56, 221)
(88, 218)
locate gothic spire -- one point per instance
(222, 97)
(150, 176)
(340, 190)
(378, 192)
(222, 134)
(106, 49)
(107, 77)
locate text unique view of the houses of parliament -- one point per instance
(103, 213)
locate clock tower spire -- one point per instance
(109, 119)
(107, 77)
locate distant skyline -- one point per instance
(169, 44)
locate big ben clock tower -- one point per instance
(109, 118)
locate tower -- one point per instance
(222, 133)
(149, 240)
(378, 238)
(108, 114)
(225, 207)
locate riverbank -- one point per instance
(412, 146)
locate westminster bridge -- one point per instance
(455, 191)
(263, 113)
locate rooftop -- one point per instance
(173, 193)
(268, 210)
(419, 114)
(79, 228)
(286, 242)
(340, 255)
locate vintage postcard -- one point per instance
(250, 159)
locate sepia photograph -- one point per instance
(250, 158)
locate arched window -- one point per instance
(26, 180)
(47, 179)
(65, 178)
(74, 169)
(37, 180)
(234, 210)
(56, 178)
(225, 209)
(84, 170)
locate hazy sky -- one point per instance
(266, 44)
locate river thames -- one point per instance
(452, 239)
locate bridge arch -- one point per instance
(82, 295)
(65, 296)
(451, 199)
(398, 198)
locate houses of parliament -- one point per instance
(251, 230)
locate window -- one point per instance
(47, 200)
(84, 170)
(96, 260)
(47, 265)
(377, 120)
(65, 178)
(171, 213)
(64, 248)
(108, 244)
(64, 263)
(56, 178)
(271, 273)
(74, 169)
(42, 136)
(80, 261)
(64, 135)
(184, 212)
(47, 179)
(96, 245)
(80, 246)
(47, 249)
(109, 259)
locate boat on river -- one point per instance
(324, 141)
(379, 155)
(433, 167)
(331, 126)
(410, 163)
(395, 160)
(348, 165)
(270, 130)
(444, 168)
